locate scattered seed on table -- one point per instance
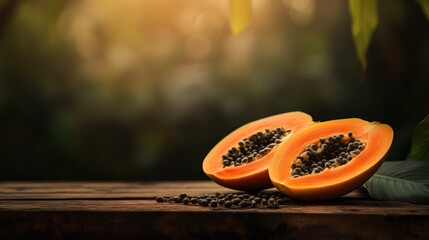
(177, 199)
(186, 201)
(272, 203)
(227, 204)
(159, 199)
(204, 203)
(230, 200)
(236, 201)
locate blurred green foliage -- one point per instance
(139, 89)
(364, 22)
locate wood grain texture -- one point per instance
(113, 190)
(94, 210)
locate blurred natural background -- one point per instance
(143, 89)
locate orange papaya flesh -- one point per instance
(330, 182)
(252, 176)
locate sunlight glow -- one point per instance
(300, 11)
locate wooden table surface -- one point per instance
(122, 210)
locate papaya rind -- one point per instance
(252, 176)
(334, 182)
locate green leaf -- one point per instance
(54, 8)
(406, 181)
(420, 145)
(240, 13)
(364, 22)
(53, 11)
(425, 7)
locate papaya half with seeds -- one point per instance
(240, 160)
(330, 159)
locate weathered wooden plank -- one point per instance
(208, 225)
(344, 207)
(112, 210)
(113, 190)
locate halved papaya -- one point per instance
(240, 160)
(329, 159)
